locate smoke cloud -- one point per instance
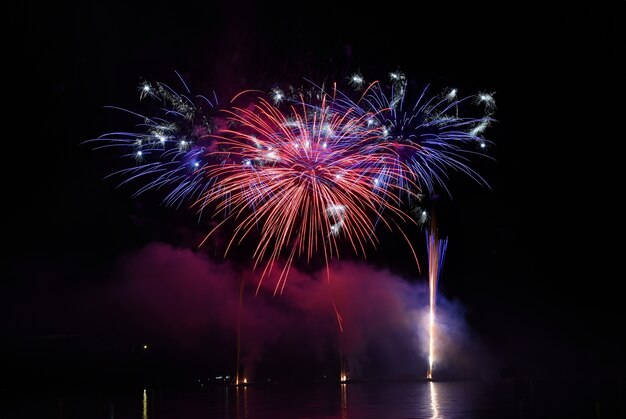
(187, 301)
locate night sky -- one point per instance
(95, 274)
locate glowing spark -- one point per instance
(480, 128)
(488, 100)
(277, 95)
(357, 81)
(145, 90)
(184, 145)
(452, 94)
(422, 218)
(336, 213)
(397, 76)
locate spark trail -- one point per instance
(436, 252)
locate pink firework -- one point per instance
(305, 180)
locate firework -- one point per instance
(303, 169)
(436, 251)
(170, 148)
(308, 172)
(303, 180)
(426, 136)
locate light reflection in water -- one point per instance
(434, 401)
(242, 401)
(344, 401)
(464, 399)
(145, 405)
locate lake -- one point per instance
(475, 399)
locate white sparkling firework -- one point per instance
(487, 100)
(277, 95)
(357, 81)
(452, 94)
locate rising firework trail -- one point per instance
(436, 253)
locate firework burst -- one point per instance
(170, 148)
(305, 179)
(427, 137)
(304, 169)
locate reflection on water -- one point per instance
(424, 399)
(344, 401)
(241, 394)
(434, 403)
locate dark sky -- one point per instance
(529, 261)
